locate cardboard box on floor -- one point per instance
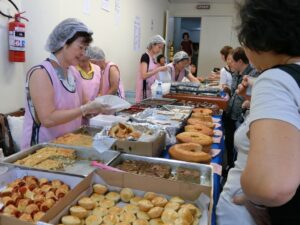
(187, 191)
(153, 148)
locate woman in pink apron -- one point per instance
(110, 83)
(178, 70)
(148, 69)
(54, 99)
(89, 75)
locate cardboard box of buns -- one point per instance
(28, 196)
(109, 197)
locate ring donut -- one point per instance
(199, 128)
(203, 111)
(195, 137)
(190, 152)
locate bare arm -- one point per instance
(192, 78)
(114, 79)
(272, 176)
(42, 94)
(145, 74)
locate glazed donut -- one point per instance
(190, 152)
(195, 137)
(203, 111)
(199, 128)
(202, 117)
(193, 121)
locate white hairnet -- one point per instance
(64, 31)
(95, 53)
(157, 39)
(182, 55)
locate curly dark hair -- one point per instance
(270, 25)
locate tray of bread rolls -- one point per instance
(165, 168)
(61, 158)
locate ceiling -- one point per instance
(201, 1)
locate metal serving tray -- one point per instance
(81, 167)
(156, 102)
(206, 171)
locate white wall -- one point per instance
(115, 39)
(11, 74)
(206, 61)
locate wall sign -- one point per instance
(203, 6)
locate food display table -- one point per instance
(220, 101)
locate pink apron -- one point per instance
(105, 83)
(34, 132)
(173, 75)
(91, 87)
(141, 93)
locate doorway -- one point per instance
(177, 26)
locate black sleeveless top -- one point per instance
(289, 213)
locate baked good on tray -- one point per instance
(75, 139)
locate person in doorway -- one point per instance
(178, 68)
(55, 101)
(187, 44)
(148, 69)
(89, 74)
(110, 83)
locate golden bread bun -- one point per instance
(127, 217)
(70, 220)
(37, 216)
(145, 205)
(86, 203)
(156, 222)
(172, 205)
(140, 222)
(135, 200)
(155, 212)
(142, 215)
(110, 219)
(26, 217)
(177, 200)
(181, 221)
(185, 214)
(107, 203)
(169, 216)
(99, 189)
(191, 207)
(100, 211)
(93, 220)
(116, 210)
(150, 195)
(126, 194)
(78, 211)
(131, 208)
(203, 111)
(96, 198)
(114, 196)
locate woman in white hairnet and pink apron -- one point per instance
(148, 68)
(55, 101)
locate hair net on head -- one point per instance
(64, 31)
(157, 39)
(95, 53)
(182, 55)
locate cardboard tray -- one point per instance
(140, 184)
(206, 171)
(81, 167)
(13, 172)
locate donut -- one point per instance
(190, 152)
(202, 117)
(195, 137)
(199, 128)
(193, 121)
(203, 111)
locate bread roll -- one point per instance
(150, 195)
(145, 205)
(131, 208)
(70, 220)
(169, 216)
(156, 222)
(111, 219)
(78, 211)
(114, 196)
(185, 214)
(191, 207)
(181, 221)
(155, 212)
(159, 201)
(127, 217)
(107, 203)
(100, 211)
(177, 200)
(142, 215)
(115, 210)
(86, 203)
(140, 222)
(126, 194)
(99, 189)
(37, 216)
(96, 198)
(93, 220)
(135, 200)
(172, 205)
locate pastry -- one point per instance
(126, 194)
(159, 201)
(37, 216)
(70, 220)
(140, 222)
(131, 208)
(203, 111)
(110, 219)
(135, 200)
(156, 222)
(86, 203)
(172, 205)
(114, 196)
(78, 211)
(150, 195)
(195, 137)
(127, 217)
(100, 211)
(97, 198)
(93, 220)
(169, 216)
(155, 212)
(145, 205)
(107, 203)
(99, 189)
(200, 128)
(185, 214)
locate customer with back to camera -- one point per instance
(56, 102)
(270, 34)
(148, 68)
